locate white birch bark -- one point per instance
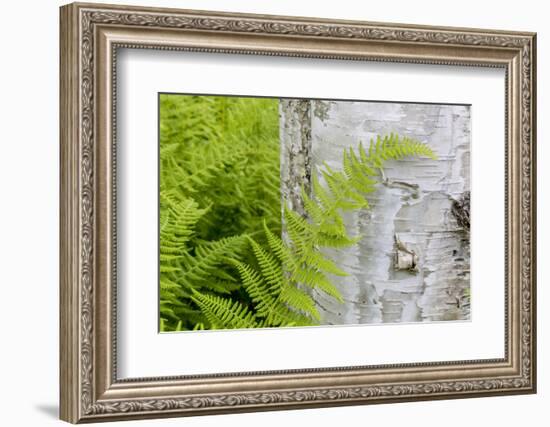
(410, 218)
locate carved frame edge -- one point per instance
(78, 401)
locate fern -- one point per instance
(269, 300)
(178, 219)
(347, 190)
(216, 160)
(223, 313)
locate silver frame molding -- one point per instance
(90, 36)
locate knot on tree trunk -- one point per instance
(461, 211)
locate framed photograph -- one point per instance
(266, 212)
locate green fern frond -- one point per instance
(178, 219)
(318, 261)
(299, 229)
(198, 270)
(224, 313)
(299, 300)
(269, 302)
(316, 279)
(264, 300)
(270, 267)
(277, 246)
(343, 191)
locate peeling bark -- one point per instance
(412, 263)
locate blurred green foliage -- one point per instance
(219, 169)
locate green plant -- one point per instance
(219, 182)
(223, 261)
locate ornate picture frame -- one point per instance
(90, 37)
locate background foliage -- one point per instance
(219, 182)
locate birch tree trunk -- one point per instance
(412, 263)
